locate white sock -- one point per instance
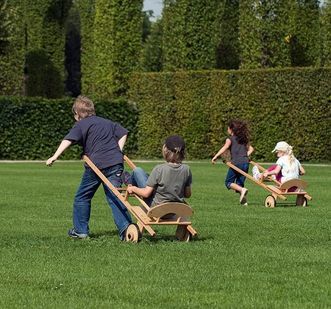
(256, 173)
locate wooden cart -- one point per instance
(277, 190)
(177, 214)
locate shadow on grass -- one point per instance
(103, 234)
(171, 238)
(153, 239)
(278, 205)
(286, 205)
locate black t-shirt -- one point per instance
(99, 138)
(238, 151)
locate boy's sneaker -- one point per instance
(73, 234)
(256, 173)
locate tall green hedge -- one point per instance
(263, 31)
(111, 44)
(86, 10)
(11, 49)
(326, 33)
(44, 25)
(151, 56)
(32, 128)
(228, 49)
(279, 33)
(305, 33)
(279, 104)
(191, 33)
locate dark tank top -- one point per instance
(238, 151)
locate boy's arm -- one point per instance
(143, 192)
(63, 146)
(122, 141)
(225, 147)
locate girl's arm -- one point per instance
(273, 172)
(122, 141)
(143, 192)
(301, 170)
(63, 146)
(225, 147)
(187, 192)
(250, 150)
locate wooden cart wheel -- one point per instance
(270, 201)
(132, 233)
(301, 201)
(182, 234)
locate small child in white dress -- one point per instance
(286, 168)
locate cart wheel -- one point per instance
(301, 201)
(132, 233)
(270, 201)
(182, 234)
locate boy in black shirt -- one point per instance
(102, 141)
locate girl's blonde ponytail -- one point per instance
(290, 154)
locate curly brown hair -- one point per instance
(240, 131)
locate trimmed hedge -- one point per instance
(111, 44)
(11, 49)
(44, 46)
(191, 33)
(279, 104)
(32, 128)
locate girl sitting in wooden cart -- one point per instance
(286, 168)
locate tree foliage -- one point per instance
(113, 44)
(152, 54)
(228, 51)
(326, 34)
(263, 33)
(106, 40)
(72, 53)
(44, 25)
(191, 34)
(6, 25)
(305, 33)
(290, 104)
(86, 10)
(11, 48)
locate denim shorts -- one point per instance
(235, 177)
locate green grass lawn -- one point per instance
(244, 257)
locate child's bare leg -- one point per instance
(236, 187)
(243, 192)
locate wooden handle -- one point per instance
(261, 184)
(129, 162)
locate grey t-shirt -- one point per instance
(169, 182)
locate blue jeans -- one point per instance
(139, 179)
(88, 186)
(235, 177)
